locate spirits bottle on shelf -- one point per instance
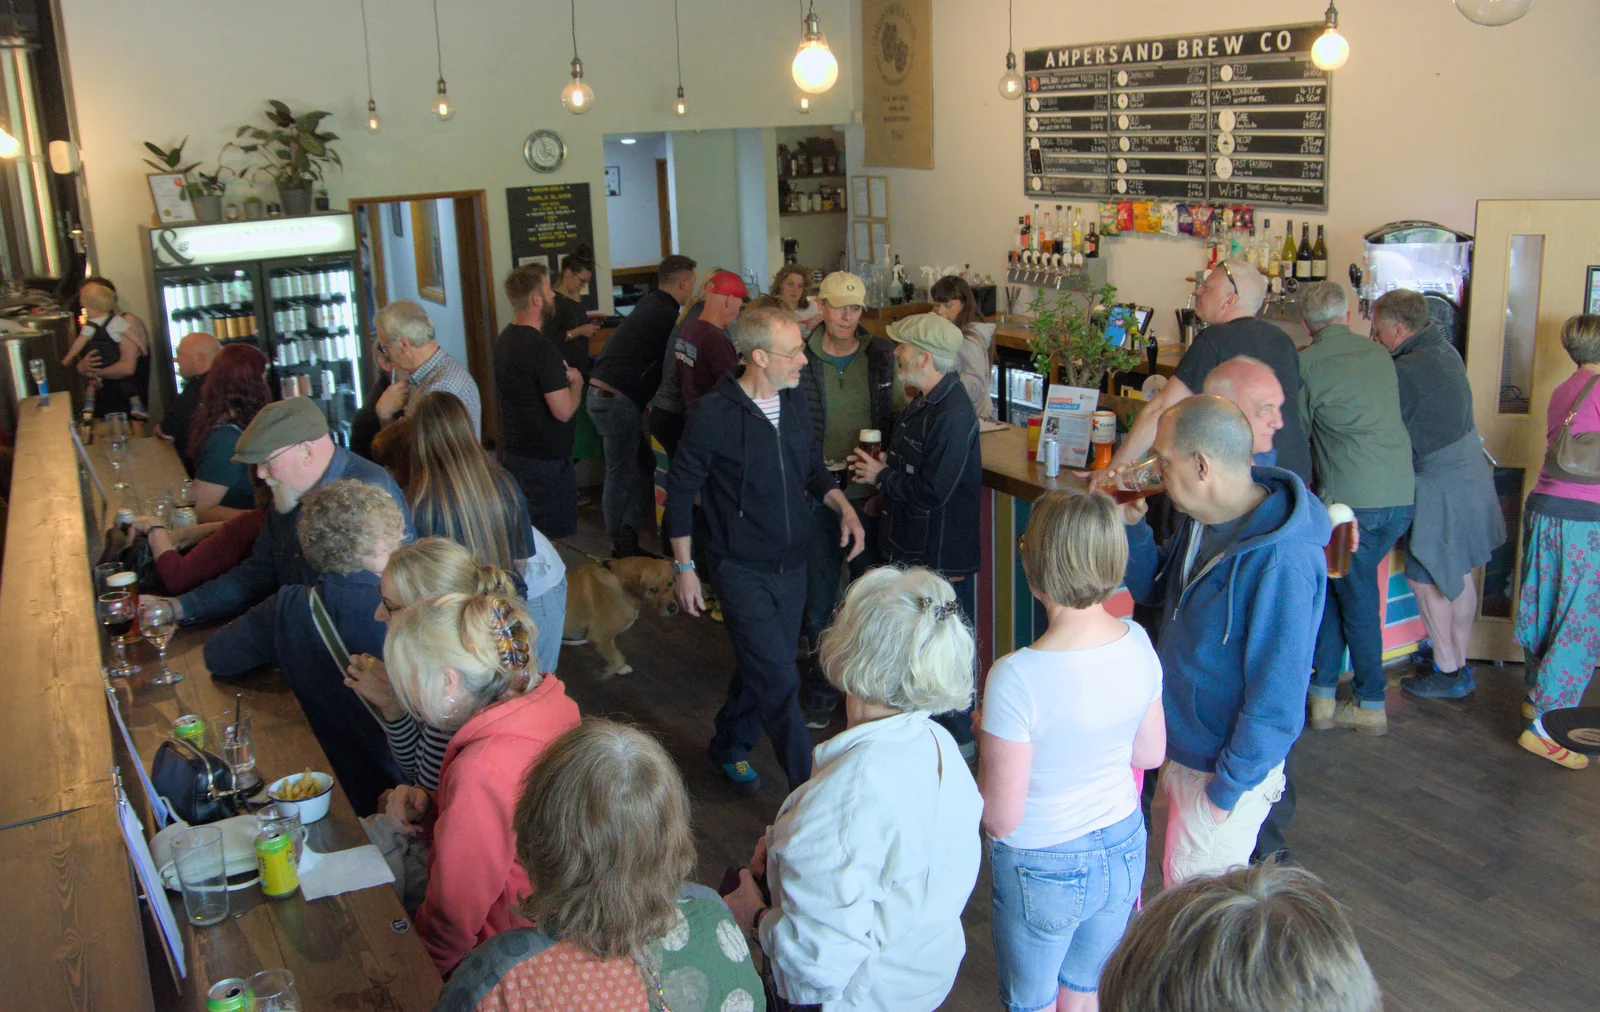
(1319, 258)
(1302, 256)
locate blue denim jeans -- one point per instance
(549, 614)
(630, 464)
(1350, 617)
(1058, 912)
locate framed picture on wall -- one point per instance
(397, 223)
(171, 196)
(1591, 292)
(425, 244)
(613, 180)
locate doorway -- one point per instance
(433, 249)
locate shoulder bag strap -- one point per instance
(1583, 395)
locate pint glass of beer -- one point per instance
(1136, 481)
(870, 442)
(1338, 550)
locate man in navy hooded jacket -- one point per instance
(1241, 586)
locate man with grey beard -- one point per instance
(288, 444)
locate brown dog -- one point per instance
(603, 602)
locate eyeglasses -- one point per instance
(268, 462)
(785, 354)
(1229, 275)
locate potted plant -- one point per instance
(294, 153)
(172, 162)
(1070, 331)
(254, 208)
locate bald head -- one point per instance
(1212, 426)
(97, 299)
(1252, 385)
(195, 354)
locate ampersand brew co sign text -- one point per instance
(897, 81)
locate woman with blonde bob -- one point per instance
(464, 662)
(871, 861)
(603, 830)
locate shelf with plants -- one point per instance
(807, 214)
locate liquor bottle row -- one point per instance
(318, 383)
(223, 324)
(339, 347)
(297, 282)
(315, 316)
(1059, 236)
(208, 293)
(1304, 262)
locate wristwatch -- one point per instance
(682, 567)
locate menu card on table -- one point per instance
(1069, 417)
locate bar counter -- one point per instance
(353, 951)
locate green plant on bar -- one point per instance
(1069, 331)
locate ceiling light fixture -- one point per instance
(680, 105)
(1010, 81)
(1493, 13)
(442, 107)
(374, 124)
(577, 96)
(630, 140)
(814, 69)
(1330, 50)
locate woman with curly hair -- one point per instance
(457, 491)
(235, 389)
(789, 288)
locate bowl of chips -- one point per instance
(310, 790)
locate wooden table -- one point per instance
(347, 952)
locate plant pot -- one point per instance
(208, 208)
(254, 210)
(296, 200)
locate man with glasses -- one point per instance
(289, 446)
(1228, 302)
(749, 454)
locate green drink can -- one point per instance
(191, 727)
(231, 995)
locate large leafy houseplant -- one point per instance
(294, 152)
(1070, 331)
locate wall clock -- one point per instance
(544, 151)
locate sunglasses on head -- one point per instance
(1229, 275)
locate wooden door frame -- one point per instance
(477, 298)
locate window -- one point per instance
(1522, 323)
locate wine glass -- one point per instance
(36, 370)
(158, 622)
(117, 426)
(274, 991)
(116, 614)
(117, 452)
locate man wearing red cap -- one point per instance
(702, 350)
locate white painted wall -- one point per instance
(705, 179)
(400, 276)
(1431, 114)
(757, 171)
(634, 221)
(205, 68)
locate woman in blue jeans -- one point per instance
(1063, 724)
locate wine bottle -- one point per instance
(1319, 258)
(1302, 256)
(1077, 233)
(1091, 242)
(1286, 257)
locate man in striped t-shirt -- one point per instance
(749, 453)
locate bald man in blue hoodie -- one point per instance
(1241, 585)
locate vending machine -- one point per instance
(286, 285)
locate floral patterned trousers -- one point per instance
(1558, 615)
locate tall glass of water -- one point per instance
(36, 370)
(236, 748)
(158, 622)
(203, 874)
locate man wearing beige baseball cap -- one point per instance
(932, 475)
(288, 444)
(849, 381)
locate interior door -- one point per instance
(1531, 264)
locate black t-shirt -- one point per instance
(1260, 340)
(526, 367)
(570, 315)
(631, 360)
(175, 423)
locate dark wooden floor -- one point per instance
(1471, 868)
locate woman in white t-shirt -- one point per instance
(1064, 722)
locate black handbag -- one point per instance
(196, 785)
(135, 556)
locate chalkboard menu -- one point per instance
(546, 223)
(1228, 117)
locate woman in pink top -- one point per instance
(465, 661)
(1558, 615)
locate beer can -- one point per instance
(329, 384)
(185, 516)
(191, 727)
(275, 860)
(1050, 450)
(231, 995)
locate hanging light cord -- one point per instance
(438, 46)
(677, 36)
(367, 46)
(1010, 48)
(574, 29)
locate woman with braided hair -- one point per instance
(465, 662)
(870, 862)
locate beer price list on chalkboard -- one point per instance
(1227, 117)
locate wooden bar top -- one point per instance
(1006, 467)
(354, 951)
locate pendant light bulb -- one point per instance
(10, 147)
(374, 123)
(442, 107)
(1011, 81)
(802, 104)
(1330, 51)
(1493, 13)
(680, 105)
(577, 96)
(814, 69)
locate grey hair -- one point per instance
(1580, 335)
(1252, 286)
(757, 328)
(942, 363)
(1323, 304)
(405, 321)
(1259, 939)
(1224, 379)
(1402, 306)
(899, 641)
(1213, 426)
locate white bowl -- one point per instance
(312, 808)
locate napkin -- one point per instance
(343, 871)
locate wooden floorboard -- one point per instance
(1470, 868)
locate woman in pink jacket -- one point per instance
(466, 662)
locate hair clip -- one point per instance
(510, 637)
(940, 611)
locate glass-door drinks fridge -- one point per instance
(286, 285)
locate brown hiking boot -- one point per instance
(1373, 722)
(1319, 713)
